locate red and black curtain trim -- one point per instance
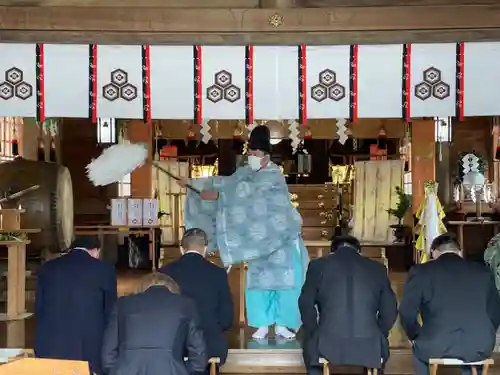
(249, 118)
(93, 82)
(353, 84)
(40, 84)
(302, 65)
(146, 83)
(406, 83)
(459, 97)
(197, 75)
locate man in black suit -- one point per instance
(458, 303)
(356, 306)
(74, 297)
(152, 331)
(207, 285)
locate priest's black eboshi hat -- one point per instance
(260, 139)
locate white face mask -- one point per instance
(254, 162)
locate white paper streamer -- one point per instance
(470, 163)
(293, 126)
(341, 130)
(116, 162)
(205, 132)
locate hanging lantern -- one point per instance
(304, 163)
(106, 131)
(442, 127)
(382, 139)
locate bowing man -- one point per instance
(150, 333)
(356, 305)
(207, 285)
(74, 297)
(458, 303)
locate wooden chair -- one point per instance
(326, 368)
(434, 363)
(213, 362)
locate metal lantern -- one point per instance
(106, 131)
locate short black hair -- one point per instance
(339, 241)
(194, 238)
(447, 238)
(86, 242)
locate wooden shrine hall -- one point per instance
(367, 101)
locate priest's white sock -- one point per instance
(261, 333)
(284, 332)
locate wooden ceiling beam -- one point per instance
(250, 20)
(287, 38)
(341, 25)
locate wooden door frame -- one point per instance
(223, 26)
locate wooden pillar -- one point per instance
(423, 158)
(141, 178)
(443, 172)
(28, 139)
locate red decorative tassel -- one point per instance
(382, 139)
(308, 135)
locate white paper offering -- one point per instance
(135, 212)
(119, 212)
(150, 212)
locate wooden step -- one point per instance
(316, 220)
(318, 188)
(317, 233)
(275, 360)
(326, 205)
(316, 195)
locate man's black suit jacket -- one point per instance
(207, 285)
(150, 333)
(459, 306)
(74, 296)
(357, 308)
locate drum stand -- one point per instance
(10, 225)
